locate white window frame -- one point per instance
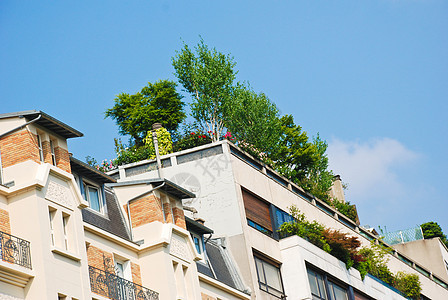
(125, 267)
(86, 185)
(51, 215)
(201, 245)
(65, 230)
(53, 154)
(41, 150)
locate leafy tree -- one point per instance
(295, 155)
(433, 229)
(155, 103)
(254, 120)
(319, 178)
(207, 75)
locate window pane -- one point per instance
(338, 293)
(313, 283)
(197, 244)
(260, 271)
(273, 276)
(94, 198)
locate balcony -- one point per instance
(116, 288)
(15, 250)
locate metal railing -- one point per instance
(15, 250)
(116, 288)
(403, 236)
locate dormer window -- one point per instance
(93, 196)
(197, 240)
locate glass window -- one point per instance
(53, 155)
(269, 278)
(92, 195)
(197, 243)
(282, 217)
(317, 285)
(337, 292)
(39, 145)
(323, 289)
(65, 230)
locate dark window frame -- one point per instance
(264, 285)
(328, 278)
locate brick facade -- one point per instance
(149, 209)
(136, 275)
(4, 222)
(207, 297)
(145, 210)
(179, 217)
(62, 159)
(22, 145)
(168, 213)
(19, 147)
(100, 259)
(46, 149)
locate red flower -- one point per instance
(204, 136)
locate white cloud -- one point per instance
(370, 168)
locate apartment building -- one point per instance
(68, 231)
(245, 202)
(202, 227)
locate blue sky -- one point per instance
(371, 77)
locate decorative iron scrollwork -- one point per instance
(15, 250)
(116, 288)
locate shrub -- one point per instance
(408, 284)
(311, 231)
(343, 246)
(346, 209)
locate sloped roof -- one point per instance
(87, 171)
(46, 121)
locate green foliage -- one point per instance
(207, 75)
(311, 231)
(134, 153)
(295, 155)
(433, 229)
(155, 103)
(375, 263)
(346, 209)
(372, 260)
(165, 144)
(303, 161)
(190, 136)
(319, 178)
(408, 284)
(254, 120)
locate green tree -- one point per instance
(207, 75)
(295, 155)
(319, 178)
(254, 120)
(433, 229)
(156, 103)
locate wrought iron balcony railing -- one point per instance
(15, 250)
(116, 288)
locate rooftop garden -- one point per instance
(220, 108)
(372, 260)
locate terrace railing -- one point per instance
(116, 288)
(15, 250)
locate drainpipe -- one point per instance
(20, 127)
(156, 126)
(135, 198)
